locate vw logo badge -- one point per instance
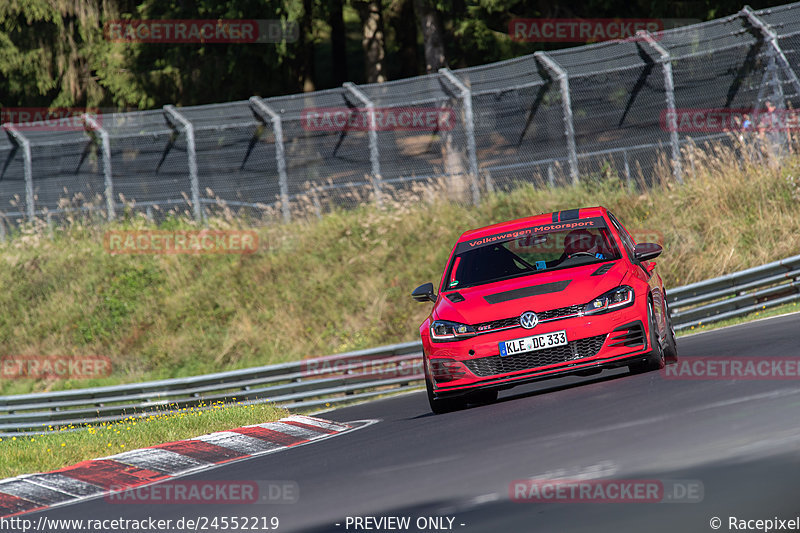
(528, 320)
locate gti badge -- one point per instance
(528, 320)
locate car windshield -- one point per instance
(494, 258)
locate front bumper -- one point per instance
(596, 342)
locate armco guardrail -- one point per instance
(297, 385)
(361, 374)
(735, 294)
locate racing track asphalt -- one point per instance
(740, 439)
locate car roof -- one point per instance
(536, 220)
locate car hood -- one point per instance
(538, 292)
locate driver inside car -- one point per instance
(583, 242)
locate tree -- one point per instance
(200, 73)
(47, 50)
(338, 41)
(402, 21)
(305, 57)
(430, 22)
(373, 40)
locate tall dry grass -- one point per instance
(342, 281)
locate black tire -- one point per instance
(655, 359)
(441, 406)
(671, 349)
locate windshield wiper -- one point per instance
(521, 260)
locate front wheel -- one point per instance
(440, 406)
(671, 350)
(654, 360)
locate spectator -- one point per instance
(770, 133)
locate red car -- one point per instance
(541, 297)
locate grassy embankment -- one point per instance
(61, 447)
(318, 287)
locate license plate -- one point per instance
(531, 344)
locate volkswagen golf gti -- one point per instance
(564, 293)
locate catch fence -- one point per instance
(551, 119)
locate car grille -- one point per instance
(561, 312)
(497, 324)
(513, 322)
(495, 364)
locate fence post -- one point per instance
(669, 87)
(266, 113)
(105, 147)
(566, 102)
(23, 141)
(627, 167)
(489, 183)
(171, 112)
(469, 130)
(374, 156)
(771, 39)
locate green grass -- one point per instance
(318, 287)
(61, 447)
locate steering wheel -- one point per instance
(590, 254)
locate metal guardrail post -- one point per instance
(669, 88)
(27, 164)
(105, 146)
(374, 155)
(267, 114)
(469, 130)
(566, 102)
(171, 112)
(771, 39)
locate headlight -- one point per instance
(443, 330)
(614, 299)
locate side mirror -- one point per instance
(647, 250)
(424, 293)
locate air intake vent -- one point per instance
(628, 335)
(455, 297)
(535, 290)
(603, 269)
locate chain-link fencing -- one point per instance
(614, 108)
